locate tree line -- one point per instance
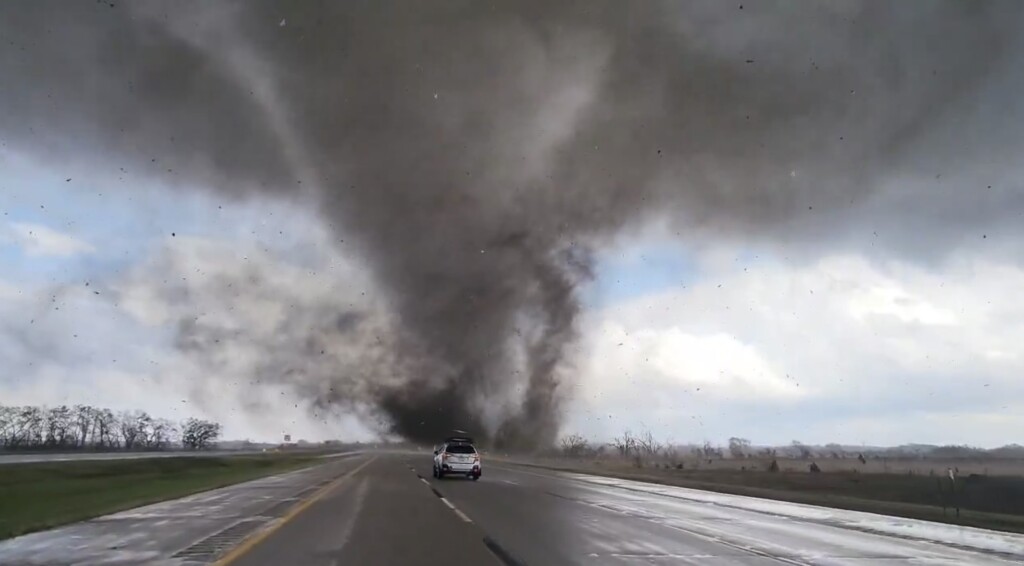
(84, 427)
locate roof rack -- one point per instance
(459, 440)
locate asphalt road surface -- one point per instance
(393, 512)
(387, 509)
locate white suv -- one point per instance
(457, 455)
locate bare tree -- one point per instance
(708, 451)
(133, 427)
(8, 415)
(574, 445)
(143, 428)
(58, 426)
(739, 447)
(104, 423)
(25, 427)
(162, 433)
(84, 417)
(197, 434)
(83, 426)
(647, 445)
(626, 444)
(671, 452)
(802, 449)
(30, 426)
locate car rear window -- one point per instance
(460, 449)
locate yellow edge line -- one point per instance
(247, 544)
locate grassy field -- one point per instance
(37, 496)
(985, 501)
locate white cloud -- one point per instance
(812, 351)
(716, 363)
(9, 292)
(891, 300)
(39, 240)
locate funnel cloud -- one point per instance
(478, 154)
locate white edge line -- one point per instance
(457, 511)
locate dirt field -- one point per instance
(989, 494)
(872, 466)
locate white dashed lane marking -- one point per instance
(458, 512)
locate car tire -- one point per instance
(474, 477)
(434, 471)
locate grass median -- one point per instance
(43, 495)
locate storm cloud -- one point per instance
(476, 154)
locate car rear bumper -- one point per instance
(468, 469)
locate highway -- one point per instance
(387, 509)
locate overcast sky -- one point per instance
(770, 285)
